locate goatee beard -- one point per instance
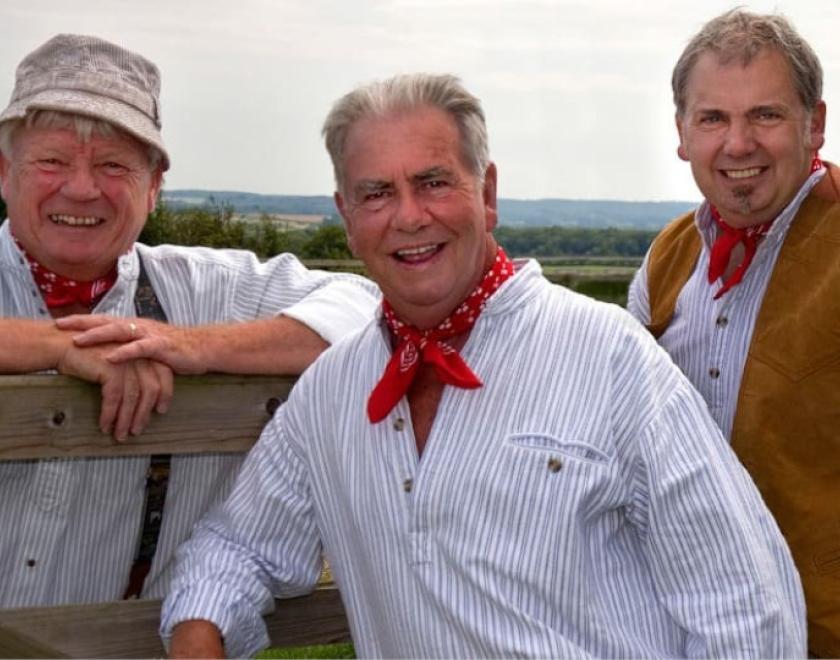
(742, 197)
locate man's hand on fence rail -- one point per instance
(130, 391)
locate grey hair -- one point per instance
(404, 93)
(85, 127)
(739, 35)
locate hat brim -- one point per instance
(125, 117)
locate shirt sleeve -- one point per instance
(261, 544)
(638, 303)
(331, 304)
(336, 309)
(720, 564)
(203, 286)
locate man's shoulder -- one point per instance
(681, 229)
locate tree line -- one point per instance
(216, 226)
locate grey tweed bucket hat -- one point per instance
(92, 77)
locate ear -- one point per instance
(682, 151)
(4, 171)
(488, 194)
(154, 189)
(816, 131)
(341, 205)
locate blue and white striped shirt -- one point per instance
(69, 529)
(582, 502)
(707, 338)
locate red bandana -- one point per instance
(61, 291)
(729, 237)
(430, 346)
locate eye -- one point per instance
(769, 115)
(113, 168)
(436, 187)
(710, 119)
(49, 164)
(375, 200)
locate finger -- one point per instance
(147, 378)
(166, 378)
(112, 389)
(83, 321)
(148, 348)
(114, 331)
(128, 404)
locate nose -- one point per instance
(740, 140)
(411, 214)
(80, 184)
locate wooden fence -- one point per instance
(45, 416)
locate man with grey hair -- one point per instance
(742, 292)
(81, 166)
(496, 467)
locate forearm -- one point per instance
(279, 345)
(30, 345)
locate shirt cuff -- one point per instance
(241, 624)
(337, 309)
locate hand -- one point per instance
(196, 639)
(130, 391)
(177, 347)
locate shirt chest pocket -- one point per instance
(541, 480)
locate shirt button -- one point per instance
(714, 372)
(554, 464)
(722, 321)
(408, 485)
(30, 562)
(399, 424)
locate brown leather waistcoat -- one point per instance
(787, 423)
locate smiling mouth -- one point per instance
(75, 220)
(744, 173)
(418, 254)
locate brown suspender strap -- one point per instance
(147, 305)
(673, 255)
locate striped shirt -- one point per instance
(707, 338)
(70, 528)
(581, 502)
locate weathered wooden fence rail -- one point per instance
(44, 416)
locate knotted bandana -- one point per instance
(59, 291)
(416, 346)
(728, 237)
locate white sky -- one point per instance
(577, 92)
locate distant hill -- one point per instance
(512, 212)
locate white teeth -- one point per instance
(74, 220)
(743, 174)
(413, 252)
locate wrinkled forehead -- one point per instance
(402, 144)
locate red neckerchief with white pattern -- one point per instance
(728, 237)
(59, 291)
(416, 346)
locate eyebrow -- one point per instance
(431, 173)
(371, 185)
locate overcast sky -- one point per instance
(577, 93)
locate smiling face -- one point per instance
(77, 206)
(747, 136)
(415, 213)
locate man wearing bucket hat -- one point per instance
(81, 164)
